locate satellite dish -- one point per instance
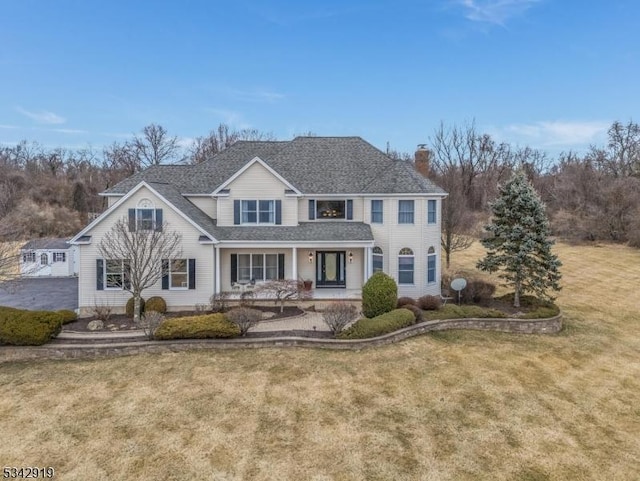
(457, 285)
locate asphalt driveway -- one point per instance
(51, 293)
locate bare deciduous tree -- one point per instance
(337, 315)
(155, 146)
(203, 148)
(142, 252)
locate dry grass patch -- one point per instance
(457, 405)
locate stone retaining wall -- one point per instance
(550, 325)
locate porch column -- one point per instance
(294, 263)
(369, 262)
(365, 264)
(217, 289)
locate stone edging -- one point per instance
(550, 325)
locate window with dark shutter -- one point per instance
(349, 209)
(159, 220)
(278, 212)
(236, 212)
(132, 220)
(280, 266)
(100, 274)
(192, 273)
(165, 274)
(234, 268)
(312, 209)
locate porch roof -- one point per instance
(304, 232)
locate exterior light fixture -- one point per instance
(350, 257)
(310, 257)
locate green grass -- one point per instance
(454, 405)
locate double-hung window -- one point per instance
(431, 211)
(405, 266)
(257, 211)
(145, 219)
(29, 257)
(59, 256)
(405, 211)
(376, 211)
(114, 274)
(178, 274)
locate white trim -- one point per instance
(294, 263)
(247, 166)
(375, 195)
(104, 194)
(123, 199)
(170, 272)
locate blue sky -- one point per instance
(552, 74)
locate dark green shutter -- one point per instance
(234, 268)
(100, 274)
(192, 273)
(312, 209)
(165, 274)
(159, 220)
(278, 212)
(236, 212)
(280, 266)
(132, 220)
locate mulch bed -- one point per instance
(122, 322)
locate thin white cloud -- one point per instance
(257, 95)
(70, 131)
(495, 12)
(557, 133)
(5, 126)
(42, 117)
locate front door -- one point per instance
(330, 271)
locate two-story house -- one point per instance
(331, 210)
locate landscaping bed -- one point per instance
(122, 322)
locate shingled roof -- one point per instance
(313, 165)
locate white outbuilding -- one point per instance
(48, 257)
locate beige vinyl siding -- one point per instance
(88, 296)
(257, 183)
(358, 207)
(391, 237)
(112, 199)
(208, 205)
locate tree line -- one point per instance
(594, 196)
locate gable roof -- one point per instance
(314, 165)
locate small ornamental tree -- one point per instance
(518, 243)
(379, 295)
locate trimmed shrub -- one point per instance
(337, 315)
(453, 311)
(417, 312)
(155, 303)
(377, 326)
(28, 328)
(379, 295)
(67, 315)
(245, 318)
(406, 301)
(129, 307)
(542, 312)
(429, 303)
(197, 327)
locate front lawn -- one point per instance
(452, 405)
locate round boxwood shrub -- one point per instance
(129, 307)
(379, 295)
(417, 312)
(29, 328)
(155, 303)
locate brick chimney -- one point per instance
(422, 160)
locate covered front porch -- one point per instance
(329, 271)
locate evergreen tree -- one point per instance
(518, 243)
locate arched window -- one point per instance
(431, 265)
(405, 266)
(44, 259)
(378, 259)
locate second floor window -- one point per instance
(431, 211)
(257, 211)
(59, 256)
(29, 257)
(378, 259)
(376, 212)
(405, 212)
